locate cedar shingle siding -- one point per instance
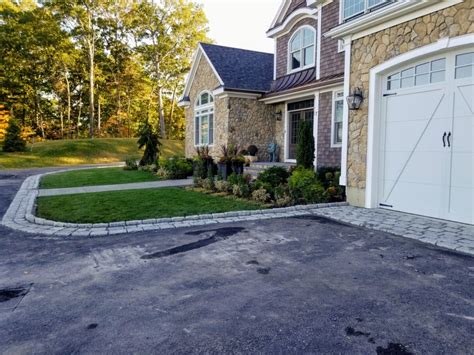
(332, 62)
(327, 156)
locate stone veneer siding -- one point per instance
(251, 122)
(327, 156)
(282, 46)
(376, 48)
(205, 79)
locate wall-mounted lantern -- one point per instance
(355, 100)
(278, 115)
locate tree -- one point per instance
(13, 141)
(305, 146)
(168, 32)
(148, 139)
(4, 118)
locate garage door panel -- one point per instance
(406, 107)
(462, 168)
(461, 205)
(423, 195)
(464, 101)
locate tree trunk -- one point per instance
(161, 113)
(128, 116)
(79, 116)
(98, 115)
(62, 121)
(68, 90)
(91, 47)
(173, 103)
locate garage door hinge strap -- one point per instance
(394, 93)
(384, 205)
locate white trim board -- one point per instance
(375, 93)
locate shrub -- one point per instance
(261, 195)
(222, 186)
(208, 184)
(274, 176)
(284, 201)
(148, 168)
(305, 146)
(130, 164)
(150, 140)
(241, 190)
(163, 173)
(304, 187)
(177, 167)
(237, 179)
(13, 141)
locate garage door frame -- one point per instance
(375, 104)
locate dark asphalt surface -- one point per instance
(298, 285)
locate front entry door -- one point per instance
(298, 112)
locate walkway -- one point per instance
(116, 187)
(446, 234)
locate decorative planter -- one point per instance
(224, 169)
(238, 167)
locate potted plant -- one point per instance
(230, 162)
(250, 154)
(203, 162)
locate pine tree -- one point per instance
(305, 146)
(13, 141)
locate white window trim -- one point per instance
(197, 113)
(366, 9)
(301, 50)
(333, 116)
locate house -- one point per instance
(235, 96)
(409, 146)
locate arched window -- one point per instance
(204, 119)
(302, 48)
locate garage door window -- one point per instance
(422, 74)
(464, 65)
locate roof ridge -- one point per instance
(240, 49)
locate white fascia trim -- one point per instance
(388, 16)
(194, 66)
(298, 94)
(274, 58)
(240, 95)
(285, 4)
(184, 103)
(316, 127)
(284, 28)
(345, 114)
(318, 45)
(375, 92)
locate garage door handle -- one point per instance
(449, 142)
(444, 139)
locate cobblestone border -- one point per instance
(20, 216)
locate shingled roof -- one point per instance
(241, 69)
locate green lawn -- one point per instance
(80, 152)
(91, 177)
(129, 205)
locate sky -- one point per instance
(241, 23)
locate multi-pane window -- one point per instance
(422, 74)
(204, 120)
(464, 65)
(302, 49)
(337, 118)
(356, 7)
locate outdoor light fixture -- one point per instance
(278, 115)
(355, 100)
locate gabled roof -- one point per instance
(241, 69)
(293, 5)
(236, 69)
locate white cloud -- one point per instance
(241, 23)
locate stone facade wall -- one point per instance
(282, 46)
(327, 156)
(280, 131)
(374, 49)
(251, 122)
(331, 61)
(205, 79)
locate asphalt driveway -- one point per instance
(277, 286)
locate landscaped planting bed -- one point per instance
(130, 205)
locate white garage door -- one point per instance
(427, 134)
